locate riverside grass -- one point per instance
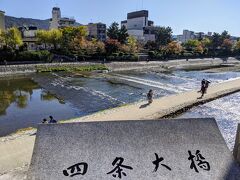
(71, 68)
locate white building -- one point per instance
(188, 35)
(2, 20)
(60, 22)
(136, 24)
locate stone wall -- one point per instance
(236, 150)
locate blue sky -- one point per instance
(203, 15)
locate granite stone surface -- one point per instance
(183, 149)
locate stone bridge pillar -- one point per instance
(236, 150)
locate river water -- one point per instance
(26, 100)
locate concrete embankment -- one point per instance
(16, 150)
(191, 64)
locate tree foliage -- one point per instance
(112, 46)
(163, 35)
(174, 48)
(132, 44)
(72, 37)
(206, 43)
(227, 44)
(113, 32)
(11, 38)
(42, 37)
(216, 40)
(237, 46)
(192, 44)
(55, 37)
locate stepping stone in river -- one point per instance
(183, 149)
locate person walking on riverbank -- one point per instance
(150, 96)
(204, 86)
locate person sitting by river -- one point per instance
(150, 96)
(44, 121)
(52, 120)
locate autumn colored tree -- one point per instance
(124, 48)
(132, 44)
(93, 47)
(173, 48)
(112, 46)
(72, 37)
(227, 44)
(199, 49)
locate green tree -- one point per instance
(163, 35)
(43, 37)
(225, 35)
(123, 35)
(113, 31)
(12, 38)
(206, 42)
(1, 38)
(55, 37)
(72, 37)
(192, 44)
(237, 46)
(216, 41)
(151, 45)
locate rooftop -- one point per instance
(136, 14)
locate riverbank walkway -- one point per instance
(16, 152)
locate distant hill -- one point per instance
(16, 22)
(40, 24)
